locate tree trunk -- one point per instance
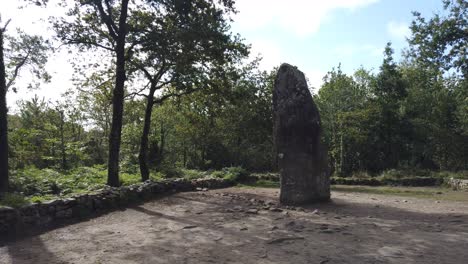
(3, 123)
(143, 156)
(118, 101)
(162, 139)
(62, 141)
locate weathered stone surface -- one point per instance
(458, 184)
(302, 159)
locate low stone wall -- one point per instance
(408, 182)
(81, 206)
(458, 184)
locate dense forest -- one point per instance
(172, 89)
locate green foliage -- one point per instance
(234, 173)
(439, 43)
(13, 200)
(40, 184)
(261, 184)
(196, 174)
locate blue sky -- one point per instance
(313, 35)
(319, 35)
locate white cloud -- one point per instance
(315, 78)
(301, 17)
(398, 30)
(269, 51)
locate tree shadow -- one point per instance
(31, 250)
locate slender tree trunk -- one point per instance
(62, 141)
(118, 101)
(185, 155)
(341, 155)
(143, 156)
(3, 123)
(163, 141)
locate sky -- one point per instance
(313, 35)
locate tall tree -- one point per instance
(23, 51)
(390, 90)
(102, 24)
(185, 49)
(3, 119)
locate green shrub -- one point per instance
(393, 174)
(361, 175)
(129, 179)
(235, 173)
(194, 174)
(447, 174)
(14, 200)
(171, 172)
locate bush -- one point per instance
(393, 174)
(13, 200)
(171, 172)
(235, 173)
(194, 174)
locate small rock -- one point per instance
(252, 211)
(243, 229)
(189, 227)
(316, 211)
(283, 239)
(275, 209)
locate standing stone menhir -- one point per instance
(302, 159)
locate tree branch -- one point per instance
(6, 25)
(171, 95)
(16, 71)
(89, 43)
(106, 19)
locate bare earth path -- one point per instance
(240, 225)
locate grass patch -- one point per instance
(436, 193)
(261, 184)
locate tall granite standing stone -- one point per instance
(302, 159)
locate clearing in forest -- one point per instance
(245, 225)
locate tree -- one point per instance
(390, 90)
(339, 96)
(24, 51)
(440, 42)
(187, 48)
(102, 24)
(3, 119)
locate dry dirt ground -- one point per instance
(242, 225)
